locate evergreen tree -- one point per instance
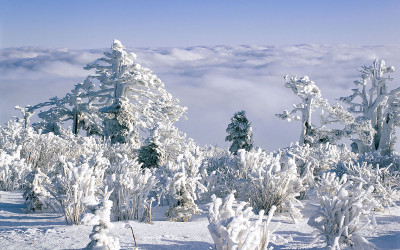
(239, 133)
(151, 154)
(119, 100)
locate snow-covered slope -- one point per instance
(46, 230)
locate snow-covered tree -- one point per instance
(310, 95)
(152, 153)
(346, 209)
(233, 228)
(239, 133)
(373, 101)
(119, 101)
(311, 98)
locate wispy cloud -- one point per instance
(213, 82)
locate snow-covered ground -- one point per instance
(47, 230)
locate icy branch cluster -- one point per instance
(346, 210)
(234, 228)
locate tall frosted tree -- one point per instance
(372, 101)
(121, 99)
(311, 101)
(239, 133)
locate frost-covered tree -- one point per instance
(152, 154)
(310, 95)
(373, 101)
(312, 134)
(119, 101)
(239, 133)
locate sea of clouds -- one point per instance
(213, 82)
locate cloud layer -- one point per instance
(213, 82)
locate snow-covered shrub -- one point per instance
(102, 223)
(346, 209)
(13, 170)
(132, 186)
(36, 194)
(76, 185)
(272, 181)
(185, 186)
(385, 183)
(11, 136)
(376, 158)
(233, 228)
(220, 172)
(318, 159)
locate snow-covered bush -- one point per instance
(132, 186)
(13, 170)
(12, 136)
(239, 133)
(76, 185)
(220, 168)
(272, 181)
(185, 186)
(102, 223)
(346, 210)
(36, 194)
(234, 228)
(385, 183)
(314, 161)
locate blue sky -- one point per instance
(213, 82)
(95, 23)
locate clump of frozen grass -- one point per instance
(346, 210)
(233, 228)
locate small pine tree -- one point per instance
(239, 133)
(152, 154)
